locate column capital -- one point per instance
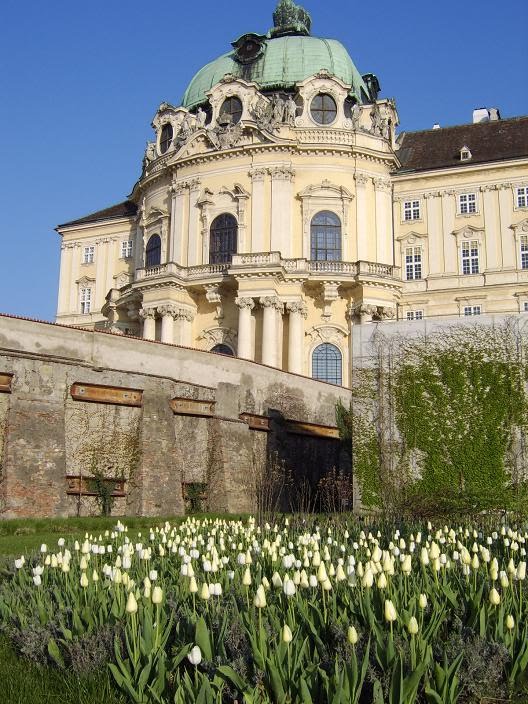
(258, 173)
(184, 314)
(282, 173)
(297, 307)
(271, 302)
(245, 303)
(382, 184)
(168, 310)
(361, 179)
(147, 313)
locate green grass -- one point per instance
(22, 682)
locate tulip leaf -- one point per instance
(54, 652)
(203, 638)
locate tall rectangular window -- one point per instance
(524, 251)
(415, 315)
(411, 210)
(86, 300)
(470, 257)
(126, 249)
(88, 254)
(522, 197)
(467, 203)
(472, 310)
(413, 263)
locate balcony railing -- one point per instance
(273, 260)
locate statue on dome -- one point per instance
(150, 154)
(290, 18)
(290, 111)
(377, 121)
(355, 116)
(277, 109)
(201, 117)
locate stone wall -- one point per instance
(201, 418)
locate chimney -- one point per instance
(486, 115)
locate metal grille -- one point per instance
(325, 235)
(327, 364)
(223, 239)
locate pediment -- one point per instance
(155, 214)
(468, 231)
(520, 228)
(326, 189)
(85, 281)
(411, 236)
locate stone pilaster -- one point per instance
(168, 313)
(297, 313)
(271, 306)
(245, 327)
(148, 315)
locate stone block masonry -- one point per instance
(85, 414)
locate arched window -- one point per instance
(166, 137)
(327, 364)
(153, 251)
(223, 239)
(223, 349)
(325, 235)
(230, 111)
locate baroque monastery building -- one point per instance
(277, 208)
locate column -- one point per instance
(298, 312)
(167, 323)
(75, 275)
(177, 224)
(493, 251)
(509, 243)
(448, 226)
(149, 323)
(65, 283)
(383, 190)
(258, 243)
(271, 306)
(101, 254)
(186, 317)
(281, 210)
(350, 315)
(435, 233)
(245, 327)
(194, 224)
(361, 217)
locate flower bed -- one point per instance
(328, 611)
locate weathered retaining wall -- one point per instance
(201, 418)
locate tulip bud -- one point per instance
(412, 626)
(193, 586)
(352, 635)
(195, 656)
(287, 635)
(131, 605)
(157, 595)
(84, 580)
(390, 611)
(510, 622)
(422, 601)
(246, 579)
(260, 598)
(204, 592)
(494, 597)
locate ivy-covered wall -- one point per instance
(438, 422)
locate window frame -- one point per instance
(338, 375)
(127, 249)
(414, 210)
(472, 310)
(164, 142)
(85, 300)
(471, 258)
(323, 110)
(523, 251)
(88, 254)
(470, 204)
(229, 99)
(413, 267)
(223, 254)
(413, 315)
(314, 250)
(149, 265)
(523, 195)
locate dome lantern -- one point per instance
(290, 18)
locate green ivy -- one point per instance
(454, 406)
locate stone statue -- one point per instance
(150, 154)
(186, 128)
(376, 121)
(290, 111)
(277, 110)
(263, 114)
(201, 117)
(355, 116)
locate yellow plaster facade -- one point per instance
(404, 243)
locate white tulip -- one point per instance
(195, 656)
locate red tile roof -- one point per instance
(487, 141)
(126, 209)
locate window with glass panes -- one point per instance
(523, 243)
(522, 197)
(126, 249)
(470, 257)
(327, 363)
(86, 300)
(88, 254)
(467, 203)
(415, 315)
(325, 237)
(411, 210)
(472, 310)
(413, 263)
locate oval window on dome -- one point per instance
(323, 109)
(230, 111)
(165, 137)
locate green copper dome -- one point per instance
(285, 56)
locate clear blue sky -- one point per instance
(80, 83)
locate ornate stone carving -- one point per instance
(245, 303)
(150, 154)
(145, 313)
(258, 174)
(225, 136)
(333, 334)
(362, 179)
(297, 307)
(329, 294)
(184, 314)
(213, 295)
(387, 313)
(218, 336)
(364, 311)
(382, 184)
(282, 173)
(168, 310)
(271, 302)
